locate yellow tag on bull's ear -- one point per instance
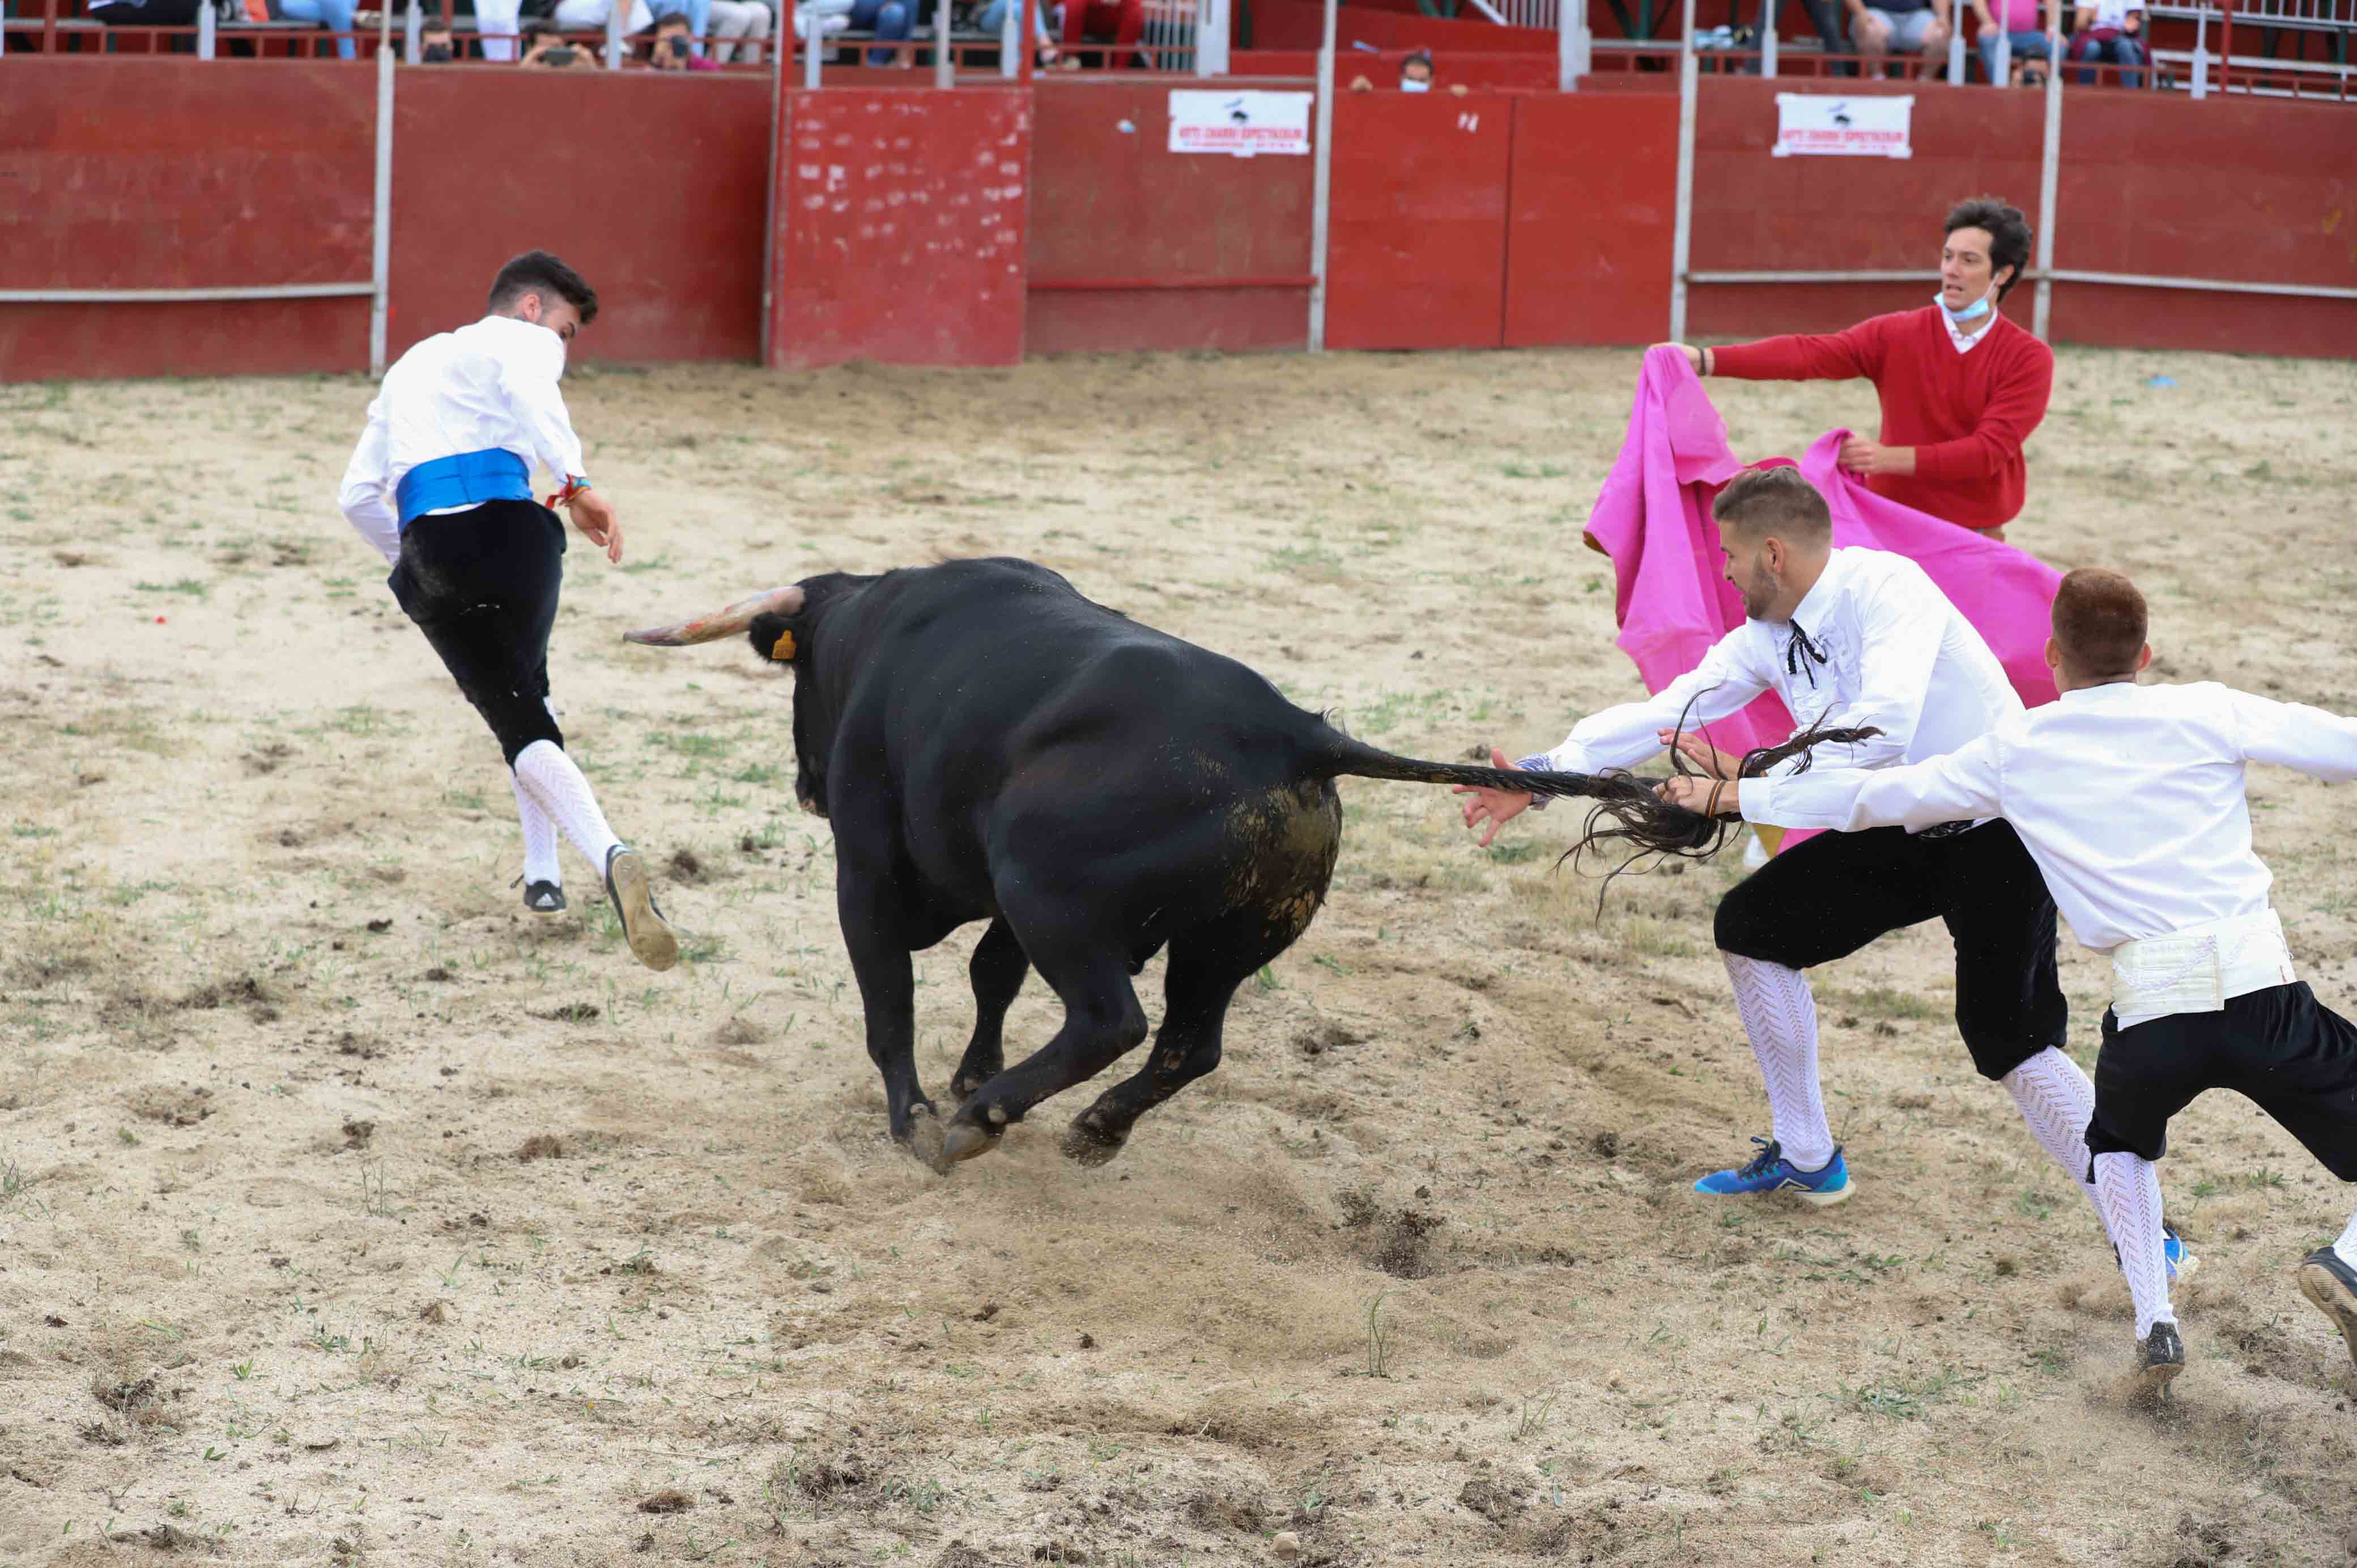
(784, 648)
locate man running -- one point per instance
(1852, 638)
(441, 485)
(2131, 800)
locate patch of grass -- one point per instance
(1380, 1341)
(1902, 1401)
(191, 586)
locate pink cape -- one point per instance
(1674, 600)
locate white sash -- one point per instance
(2198, 969)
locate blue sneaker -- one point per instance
(1769, 1171)
(2173, 1250)
(2181, 1260)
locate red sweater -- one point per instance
(1966, 414)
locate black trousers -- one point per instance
(1829, 896)
(2280, 1048)
(482, 584)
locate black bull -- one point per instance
(989, 744)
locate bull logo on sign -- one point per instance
(1841, 111)
(1236, 112)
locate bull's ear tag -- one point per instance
(784, 648)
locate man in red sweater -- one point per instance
(1961, 387)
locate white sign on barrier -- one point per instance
(1819, 123)
(1240, 124)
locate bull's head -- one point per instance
(781, 627)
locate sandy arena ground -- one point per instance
(349, 1215)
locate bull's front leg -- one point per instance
(880, 958)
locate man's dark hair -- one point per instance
(1421, 56)
(669, 17)
(2099, 623)
(537, 271)
(1776, 500)
(536, 29)
(2008, 233)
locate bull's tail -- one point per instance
(1641, 817)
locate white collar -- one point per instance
(1816, 605)
(1965, 341)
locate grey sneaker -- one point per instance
(2325, 1280)
(649, 934)
(2160, 1356)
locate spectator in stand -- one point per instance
(336, 16)
(740, 28)
(436, 46)
(992, 21)
(673, 47)
(2109, 32)
(545, 48)
(2020, 29)
(1900, 26)
(1961, 386)
(589, 17)
(1416, 76)
(495, 24)
(149, 14)
(1824, 15)
(1120, 22)
(888, 20)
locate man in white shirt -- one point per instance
(2131, 801)
(440, 484)
(1852, 638)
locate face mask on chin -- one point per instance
(1971, 311)
(1413, 84)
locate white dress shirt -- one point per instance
(1873, 642)
(2129, 798)
(491, 383)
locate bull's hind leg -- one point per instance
(997, 969)
(1101, 1021)
(1206, 966)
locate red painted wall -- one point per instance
(1416, 232)
(143, 173)
(2224, 188)
(901, 216)
(663, 214)
(1118, 207)
(1592, 209)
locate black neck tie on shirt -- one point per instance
(1794, 649)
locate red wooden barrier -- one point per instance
(1593, 208)
(2225, 189)
(1757, 212)
(1133, 246)
(901, 218)
(661, 210)
(137, 173)
(1416, 236)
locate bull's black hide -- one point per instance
(990, 745)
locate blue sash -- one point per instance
(466, 479)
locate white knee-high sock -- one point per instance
(2058, 1102)
(539, 838)
(2130, 1190)
(2347, 1245)
(557, 787)
(1780, 1018)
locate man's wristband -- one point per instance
(574, 484)
(1707, 361)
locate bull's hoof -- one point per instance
(1085, 1144)
(964, 1087)
(964, 1140)
(925, 1138)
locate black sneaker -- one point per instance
(649, 934)
(2160, 1356)
(544, 897)
(2325, 1280)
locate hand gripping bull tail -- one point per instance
(1621, 797)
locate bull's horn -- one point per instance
(722, 623)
